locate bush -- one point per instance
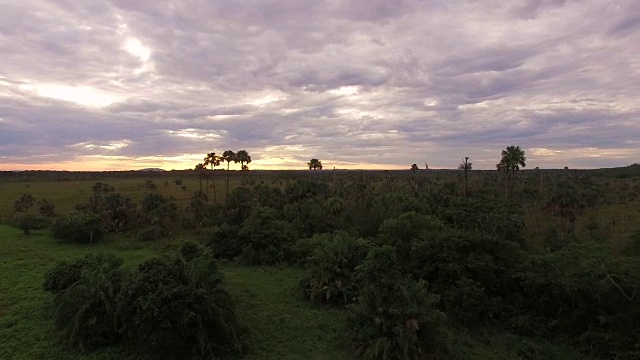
(304, 248)
(150, 233)
(224, 241)
(451, 261)
(46, 207)
(85, 308)
(64, 274)
(331, 268)
(28, 222)
(265, 238)
(395, 318)
(80, 227)
(173, 308)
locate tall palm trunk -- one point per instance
(215, 196)
(207, 177)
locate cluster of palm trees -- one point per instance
(214, 160)
(314, 164)
(512, 159)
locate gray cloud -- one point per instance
(129, 83)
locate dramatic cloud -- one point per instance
(378, 84)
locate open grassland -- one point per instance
(282, 324)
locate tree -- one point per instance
(395, 317)
(24, 203)
(414, 168)
(213, 160)
(85, 300)
(314, 164)
(512, 159)
(200, 169)
(242, 156)
(178, 307)
(228, 156)
(46, 207)
(466, 166)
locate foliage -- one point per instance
(46, 207)
(25, 202)
(402, 230)
(100, 187)
(330, 275)
(239, 205)
(117, 211)
(78, 226)
(27, 222)
(157, 210)
(314, 164)
(85, 308)
(65, 273)
(174, 308)
(243, 157)
(224, 240)
(395, 317)
(265, 238)
(474, 273)
(583, 294)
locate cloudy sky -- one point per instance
(125, 84)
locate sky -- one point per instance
(376, 84)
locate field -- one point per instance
(283, 325)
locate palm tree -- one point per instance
(228, 156)
(314, 164)
(242, 156)
(213, 160)
(512, 159)
(200, 169)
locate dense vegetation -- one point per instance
(410, 260)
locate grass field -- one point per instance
(283, 326)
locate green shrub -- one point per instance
(330, 276)
(28, 222)
(224, 240)
(451, 261)
(395, 318)
(173, 308)
(64, 274)
(85, 309)
(78, 227)
(304, 248)
(265, 238)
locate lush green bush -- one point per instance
(475, 274)
(583, 294)
(157, 210)
(78, 227)
(395, 318)
(85, 309)
(28, 222)
(265, 238)
(330, 276)
(224, 240)
(65, 273)
(173, 308)
(402, 230)
(304, 248)
(46, 207)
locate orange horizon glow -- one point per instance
(182, 163)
